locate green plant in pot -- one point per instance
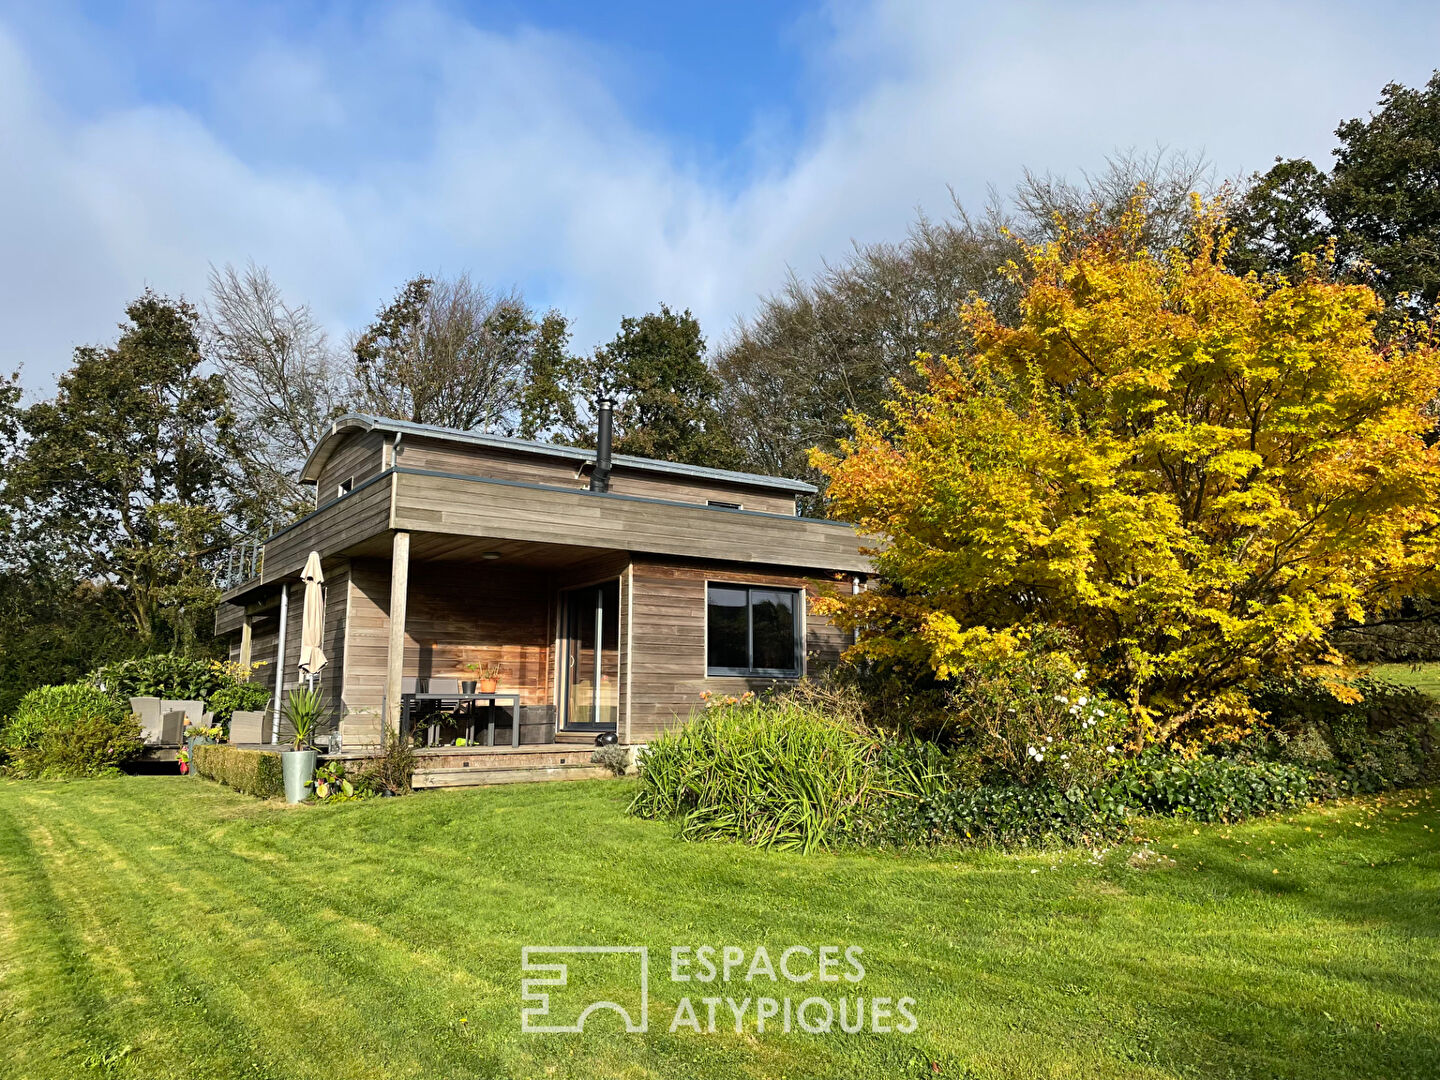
(303, 706)
(487, 675)
(196, 735)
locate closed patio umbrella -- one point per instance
(312, 625)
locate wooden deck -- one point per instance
(469, 766)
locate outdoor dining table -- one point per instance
(409, 703)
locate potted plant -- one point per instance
(297, 765)
(195, 735)
(488, 675)
(184, 758)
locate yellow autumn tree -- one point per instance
(1190, 474)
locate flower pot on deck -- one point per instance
(297, 768)
(487, 686)
(192, 741)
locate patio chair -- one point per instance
(194, 710)
(148, 710)
(251, 726)
(172, 724)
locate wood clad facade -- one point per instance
(433, 455)
(668, 632)
(494, 537)
(519, 511)
(359, 457)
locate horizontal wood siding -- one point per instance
(228, 620)
(417, 452)
(358, 457)
(330, 530)
(668, 632)
(456, 613)
(651, 485)
(508, 511)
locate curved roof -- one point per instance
(340, 428)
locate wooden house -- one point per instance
(610, 591)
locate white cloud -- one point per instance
(411, 142)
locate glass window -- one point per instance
(752, 630)
(728, 628)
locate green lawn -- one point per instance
(1424, 677)
(162, 926)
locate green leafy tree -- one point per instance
(448, 352)
(664, 390)
(123, 472)
(1380, 202)
(547, 393)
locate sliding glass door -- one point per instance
(589, 690)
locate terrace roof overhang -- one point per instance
(424, 501)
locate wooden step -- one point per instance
(575, 738)
(464, 757)
(524, 774)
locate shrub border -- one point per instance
(250, 772)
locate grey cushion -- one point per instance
(171, 724)
(250, 727)
(148, 710)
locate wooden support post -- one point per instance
(395, 659)
(247, 633)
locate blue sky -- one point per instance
(604, 158)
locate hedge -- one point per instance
(250, 772)
(68, 731)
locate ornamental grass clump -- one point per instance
(773, 772)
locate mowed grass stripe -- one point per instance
(226, 937)
(256, 956)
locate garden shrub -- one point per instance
(162, 675)
(390, 771)
(922, 797)
(774, 772)
(237, 697)
(1209, 788)
(250, 772)
(1031, 717)
(69, 731)
(1358, 735)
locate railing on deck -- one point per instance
(245, 561)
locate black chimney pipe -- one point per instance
(600, 477)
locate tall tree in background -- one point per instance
(1380, 202)
(548, 385)
(448, 352)
(55, 625)
(123, 474)
(841, 343)
(664, 390)
(284, 386)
